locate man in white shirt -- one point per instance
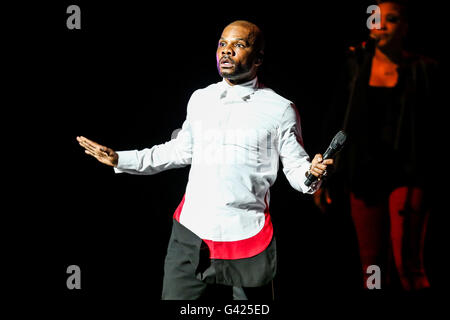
(234, 134)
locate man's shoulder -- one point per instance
(200, 97)
(270, 96)
(210, 89)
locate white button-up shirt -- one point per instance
(232, 137)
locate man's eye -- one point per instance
(240, 45)
(222, 44)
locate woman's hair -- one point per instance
(402, 4)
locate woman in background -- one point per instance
(381, 172)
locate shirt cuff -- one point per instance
(127, 161)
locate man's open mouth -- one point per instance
(226, 63)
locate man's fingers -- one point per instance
(316, 171)
(84, 139)
(319, 169)
(89, 147)
(321, 166)
(91, 153)
(100, 157)
(94, 151)
(88, 142)
(317, 158)
(101, 153)
(83, 142)
(91, 144)
(96, 148)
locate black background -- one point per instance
(123, 80)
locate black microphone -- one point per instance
(334, 147)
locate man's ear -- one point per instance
(259, 58)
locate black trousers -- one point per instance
(190, 274)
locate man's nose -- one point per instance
(227, 51)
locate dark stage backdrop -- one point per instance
(123, 80)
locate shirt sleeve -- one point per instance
(175, 153)
(295, 160)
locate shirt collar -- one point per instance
(241, 90)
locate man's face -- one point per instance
(237, 56)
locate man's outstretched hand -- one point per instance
(101, 153)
